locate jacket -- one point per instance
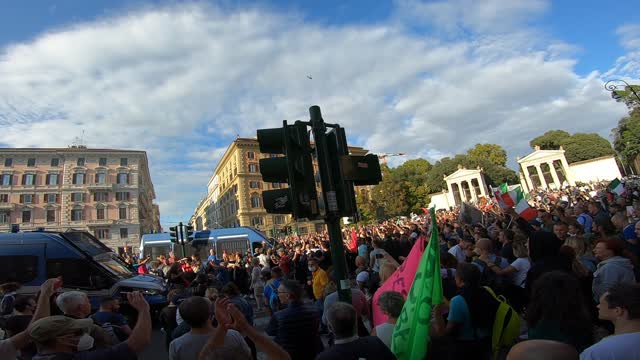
(610, 272)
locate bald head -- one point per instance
(484, 246)
(542, 349)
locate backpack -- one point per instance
(506, 325)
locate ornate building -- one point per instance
(234, 193)
(106, 192)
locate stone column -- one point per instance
(567, 171)
(450, 195)
(543, 182)
(554, 175)
(527, 177)
(463, 194)
(483, 186)
(472, 191)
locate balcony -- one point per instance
(100, 186)
(101, 222)
(124, 186)
(6, 206)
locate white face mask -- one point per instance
(85, 342)
(312, 268)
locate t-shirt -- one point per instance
(121, 351)
(103, 317)
(522, 265)
(212, 258)
(459, 313)
(285, 264)
(362, 250)
(385, 331)
(459, 253)
(189, 345)
(370, 348)
(614, 347)
(372, 257)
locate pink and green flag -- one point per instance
(411, 334)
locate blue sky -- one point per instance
(150, 74)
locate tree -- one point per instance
(492, 152)
(626, 136)
(628, 97)
(585, 146)
(551, 140)
(494, 174)
(389, 194)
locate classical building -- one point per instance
(106, 192)
(549, 169)
(464, 185)
(234, 193)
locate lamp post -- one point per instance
(612, 87)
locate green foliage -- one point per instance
(626, 136)
(495, 154)
(551, 140)
(578, 147)
(628, 97)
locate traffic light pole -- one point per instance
(332, 210)
(181, 239)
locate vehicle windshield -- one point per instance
(112, 263)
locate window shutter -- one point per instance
(74, 178)
(96, 178)
(58, 198)
(84, 217)
(84, 179)
(128, 196)
(22, 199)
(24, 179)
(48, 179)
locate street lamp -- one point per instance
(612, 87)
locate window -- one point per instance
(4, 217)
(77, 197)
(78, 179)
(124, 233)
(102, 233)
(77, 274)
(255, 201)
(28, 179)
(6, 179)
(52, 179)
(122, 213)
(273, 155)
(123, 178)
(8, 162)
(102, 162)
(253, 168)
(256, 220)
(101, 196)
(278, 219)
(124, 161)
(302, 230)
(51, 215)
(80, 162)
(100, 214)
(31, 162)
(255, 185)
(101, 178)
(275, 185)
(50, 198)
(26, 216)
(4, 198)
(26, 198)
(122, 196)
(76, 215)
(251, 155)
(55, 162)
(22, 269)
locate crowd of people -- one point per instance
(571, 275)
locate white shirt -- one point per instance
(522, 265)
(614, 347)
(459, 253)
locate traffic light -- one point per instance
(188, 235)
(295, 168)
(173, 234)
(349, 171)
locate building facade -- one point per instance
(106, 192)
(234, 193)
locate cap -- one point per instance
(363, 277)
(53, 326)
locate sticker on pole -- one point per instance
(345, 285)
(332, 201)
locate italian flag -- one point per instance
(616, 187)
(515, 199)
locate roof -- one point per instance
(213, 234)
(463, 173)
(607, 157)
(70, 149)
(541, 155)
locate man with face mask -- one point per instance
(63, 337)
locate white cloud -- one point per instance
(629, 36)
(182, 81)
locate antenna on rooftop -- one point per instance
(78, 142)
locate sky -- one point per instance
(183, 79)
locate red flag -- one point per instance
(426, 211)
(354, 241)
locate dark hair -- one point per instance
(626, 296)
(543, 244)
(619, 248)
(561, 223)
(558, 298)
(293, 287)
(447, 260)
(342, 318)
(509, 234)
(469, 274)
(276, 272)
(231, 290)
(22, 301)
(606, 225)
(195, 311)
(107, 300)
